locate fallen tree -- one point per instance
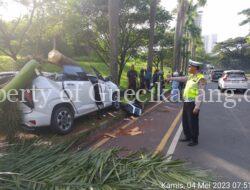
(10, 113)
(57, 58)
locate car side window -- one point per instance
(74, 73)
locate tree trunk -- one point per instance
(114, 8)
(14, 57)
(179, 31)
(161, 64)
(186, 57)
(22, 79)
(193, 50)
(59, 59)
(153, 8)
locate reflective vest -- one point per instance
(191, 90)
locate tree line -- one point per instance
(114, 31)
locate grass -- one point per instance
(7, 64)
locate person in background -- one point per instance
(181, 86)
(148, 77)
(175, 92)
(162, 84)
(156, 82)
(142, 79)
(132, 78)
(193, 96)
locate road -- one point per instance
(224, 140)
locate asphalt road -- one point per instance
(224, 141)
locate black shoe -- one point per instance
(185, 140)
(193, 144)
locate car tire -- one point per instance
(115, 102)
(62, 120)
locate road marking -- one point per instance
(167, 135)
(106, 139)
(174, 142)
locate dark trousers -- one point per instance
(190, 121)
(148, 84)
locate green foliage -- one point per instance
(234, 53)
(246, 13)
(7, 64)
(80, 28)
(40, 166)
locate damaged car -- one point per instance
(56, 99)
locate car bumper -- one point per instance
(36, 119)
(230, 85)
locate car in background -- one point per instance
(233, 80)
(5, 77)
(215, 75)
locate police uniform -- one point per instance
(190, 121)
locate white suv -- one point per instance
(234, 80)
(56, 99)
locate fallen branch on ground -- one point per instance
(37, 166)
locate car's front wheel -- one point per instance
(62, 120)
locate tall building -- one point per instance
(209, 42)
(198, 19)
(214, 39)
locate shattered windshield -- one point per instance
(72, 70)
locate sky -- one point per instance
(219, 16)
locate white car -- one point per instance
(233, 80)
(57, 99)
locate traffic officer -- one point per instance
(193, 96)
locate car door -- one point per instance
(105, 88)
(106, 92)
(78, 89)
(79, 92)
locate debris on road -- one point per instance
(131, 132)
(133, 118)
(109, 135)
(111, 114)
(63, 168)
(132, 108)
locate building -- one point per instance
(198, 19)
(209, 42)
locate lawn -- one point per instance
(6, 64)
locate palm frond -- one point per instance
(36, 166)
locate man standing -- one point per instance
(193, 96)
(132, 78)
(148, 77)
(142, 79)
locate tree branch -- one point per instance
(28, 25)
